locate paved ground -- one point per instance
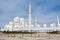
(29, 39)
(38, 36)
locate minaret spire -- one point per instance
(30, 14)
(30, 8)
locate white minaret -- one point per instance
(58, 21)
(29, 14)
(35, 23)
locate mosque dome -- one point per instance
(16, 19)
(21, 19)
(8, 27)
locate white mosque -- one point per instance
(19, 24)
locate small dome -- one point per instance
(8, 26)
(10, 22)
(32, 25)
(38, 25)
(52, 25)
(44, 25)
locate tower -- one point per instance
(58, 21)
(29, 14)
(35, 23)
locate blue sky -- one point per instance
(45, 11)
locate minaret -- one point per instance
(35, 23)
(58, 21)
(30, 14)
